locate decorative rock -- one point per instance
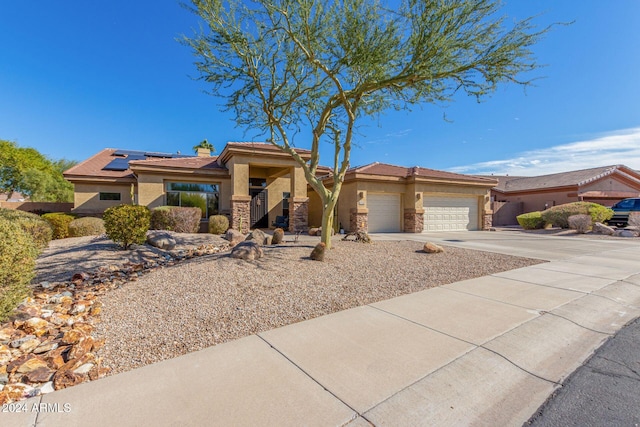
(39, 375)
(432, 248)
(47, 388)
(161, 240)
(6, 334)
(31, 365)
(64, 379)
(81, 348)
(5, 355)
(268, 240)
(46, 346)
(247, 250)
(257, 236)
(318, 252)
(80, 277)
(46, 285)
(84, 369)
(29, 346)
(626, 233)
(71, 337)
(600, 228)
(313, 231)
(234, 237)
(17, 343)
(278, 236)
(36, 326)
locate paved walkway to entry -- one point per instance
(485, 351)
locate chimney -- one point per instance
(204, 152)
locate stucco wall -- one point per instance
(275, 188)
(315, 208)
(537, 201)
(86, 197)
(608, 184)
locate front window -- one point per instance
(110, 196)
(190, 194)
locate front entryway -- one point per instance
(259, 213)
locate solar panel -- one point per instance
(128, 153)
(157, 154)
(118, 164)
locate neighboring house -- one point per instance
(253, 183)
(604, 185)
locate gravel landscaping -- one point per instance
(212, 299)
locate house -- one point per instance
(605, 185)
(253, 183)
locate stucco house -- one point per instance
(253, 183)
(605, 185)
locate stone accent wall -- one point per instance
(299, 221)
(359, 221)
(487, 221)
(413, 222)
(240, 209)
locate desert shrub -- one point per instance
(175, 218)
(559, 215)
(218, 224)
(187, 220)
(127, 224)
(59, 223)
(531, 220)
(36, 227)
(161, 218)
(580, 223)
(87, 226)
(278, 236)
(600, 213)
(17, 261)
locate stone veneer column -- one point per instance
(487, 220)
(359, 220)
(299, 221)
(413, 221)
(240, 212)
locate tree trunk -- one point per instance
(327, 224)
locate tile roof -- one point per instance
(384, 169)
(184, 162)
(261, 146)
(563, 179)
(94, 167)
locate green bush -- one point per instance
(531, 220)
(559, 215)
(127, 224)
(175, 218)
(218, 224)
(600, 213)
(59, 223)
(87, 226)
(36, 227)
(17, 261)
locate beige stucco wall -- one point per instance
(348, 200)
(537, 201)
(275, 189)
(86, 197)
(608, 184)
(315, 208)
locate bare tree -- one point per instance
(284, 66)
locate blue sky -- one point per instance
(79, 76)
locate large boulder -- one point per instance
(257, 236)
(432, 248)
(161, 240)
(626, 233)
(247, 250)
(600, 228)
(278, 236)
(234, 237)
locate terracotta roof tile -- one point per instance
(184, 162)
(384, 169)
(94, 167)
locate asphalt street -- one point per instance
(604, 391)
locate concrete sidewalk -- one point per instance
(485, 351)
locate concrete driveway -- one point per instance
(485, 351)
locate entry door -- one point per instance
(259, 216)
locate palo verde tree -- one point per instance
(284, 66)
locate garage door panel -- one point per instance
(450, 213)
(384, 212)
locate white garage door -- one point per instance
(450, 213)
(384, 213)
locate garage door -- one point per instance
(450, 213)
(384, 213)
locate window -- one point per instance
(110, 196)
(191, 194)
